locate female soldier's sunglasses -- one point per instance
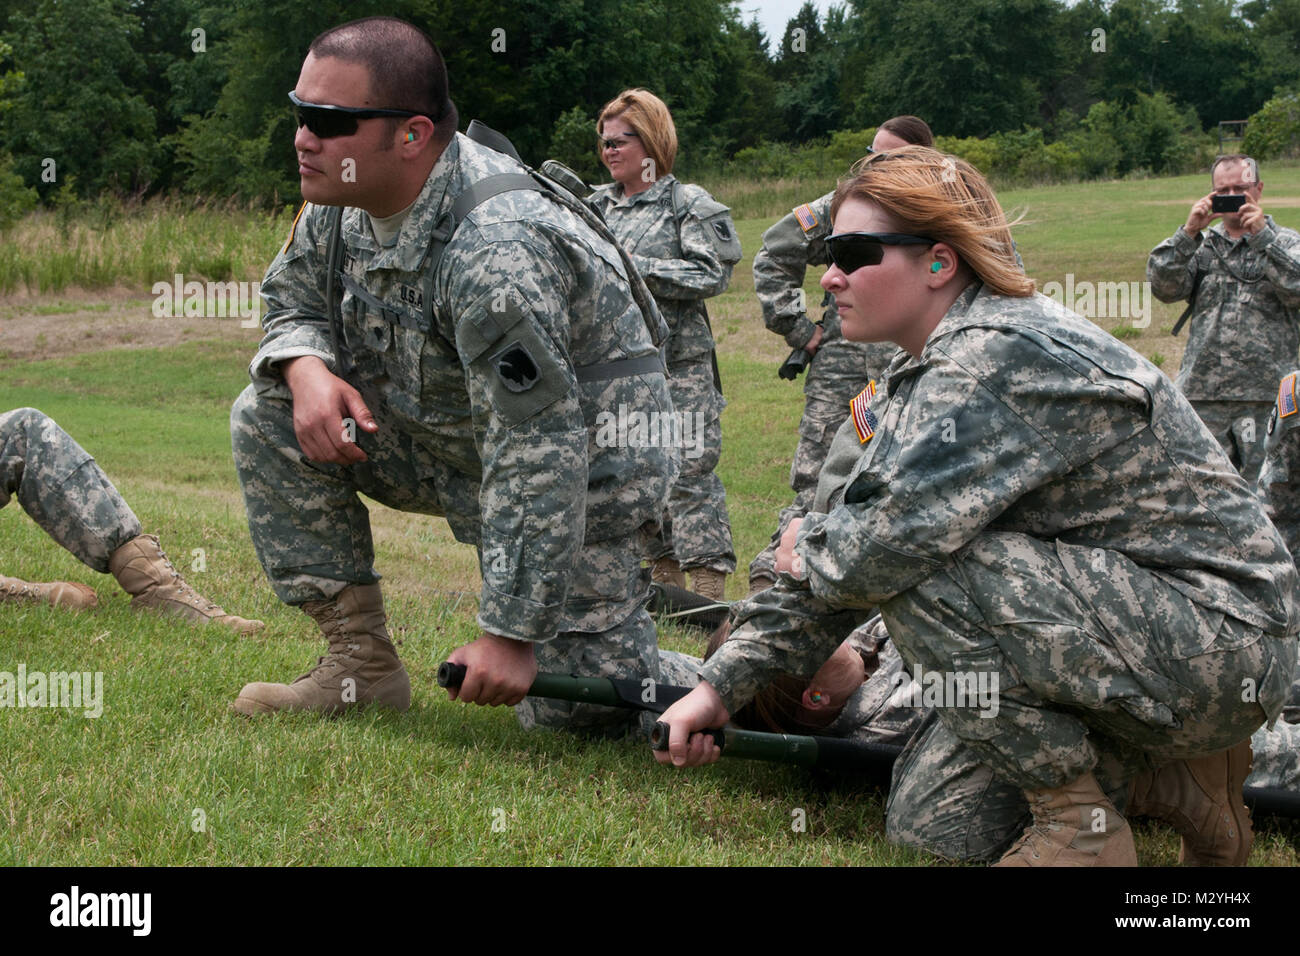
(327, 122)
(853, 250)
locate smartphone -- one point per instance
(1226, 203)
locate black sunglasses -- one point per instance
(853, 250)
(327, 122)
(617, 143)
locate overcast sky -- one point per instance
(775, 14)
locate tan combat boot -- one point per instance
(79, 597)
(709, 583)
(360, 668)
(760, 582)
(1201, 799)
(668, 571)
(145, 573)
(1063, 833)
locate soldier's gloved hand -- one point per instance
(321, 403)
(498, 670)
(811, 345)
(1200, 216)
(699, 710)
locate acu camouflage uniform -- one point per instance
(1038, 504)
(684, 244)
(839, 369)
(1244, 331)
(59, 485)
(486, 376)
(1277, 749)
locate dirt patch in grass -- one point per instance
(1284, 202)
(74, 321)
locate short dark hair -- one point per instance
(407, 71)
(910, 129)
(1234, 158)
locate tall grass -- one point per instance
(103, 244)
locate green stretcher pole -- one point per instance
(629, 694)
(827, 753)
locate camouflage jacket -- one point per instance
(789, 246)
(684, 244)
(490, 372)
(1020, 417)
(1279, 480)
(1245, 329)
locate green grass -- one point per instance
(425, 786)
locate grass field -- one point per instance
(168, 776)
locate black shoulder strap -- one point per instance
(465, 203)
(333, 258)
(485, 135)
(532, 179)
(1191, 299)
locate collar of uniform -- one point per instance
(654, 194)
(407, 253)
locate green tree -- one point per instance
(79, 105)
(964, 68)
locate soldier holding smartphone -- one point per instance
(1242, 282)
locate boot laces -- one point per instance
(1041, 825)
(24, 591)
(188, 593)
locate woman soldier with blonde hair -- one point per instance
(684, 245)
(1037, 510)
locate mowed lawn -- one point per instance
(167, 775)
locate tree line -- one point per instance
(137, 97)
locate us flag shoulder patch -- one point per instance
(1286, 403)
(807, 218)
(864, 420)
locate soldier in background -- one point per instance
(838, 369)
(61, 488)
(1242, 283)
(684, 245)
(484, 327)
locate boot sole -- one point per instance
(252, 707)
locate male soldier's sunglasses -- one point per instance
(327, 122)
(853, 250)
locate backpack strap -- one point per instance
(333, 258)
(1191, 300)
(461, 207)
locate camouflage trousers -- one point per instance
(59, 485)
(1277, 757)
(1096, 665)
(311, 533)
(628, 650)
(1240, 429)
(821, 419)
(696, 528)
